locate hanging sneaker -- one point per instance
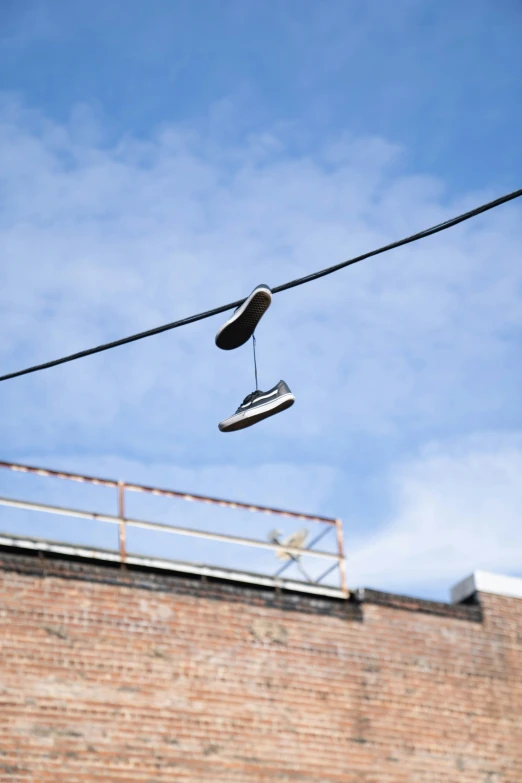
(259, 405)
(241, 325)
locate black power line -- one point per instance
(292, 284)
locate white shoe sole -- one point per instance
(241, 420)
(241, 326)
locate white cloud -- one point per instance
(100, 242)
(458, 509)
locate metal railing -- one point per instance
(292, 554)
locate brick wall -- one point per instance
(145, 678)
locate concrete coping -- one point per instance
(484, 582)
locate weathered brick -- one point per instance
(143, 677)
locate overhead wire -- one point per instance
(278, 289)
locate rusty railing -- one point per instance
(293, 553)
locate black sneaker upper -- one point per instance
(259, 397)
(259, 405)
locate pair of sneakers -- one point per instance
(237, 331)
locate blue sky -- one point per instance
(161, 159)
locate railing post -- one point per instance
(121, 514)
(342, 562)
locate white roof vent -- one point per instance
(484, 582)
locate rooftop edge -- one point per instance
(47, 558)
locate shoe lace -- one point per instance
(250, 398)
